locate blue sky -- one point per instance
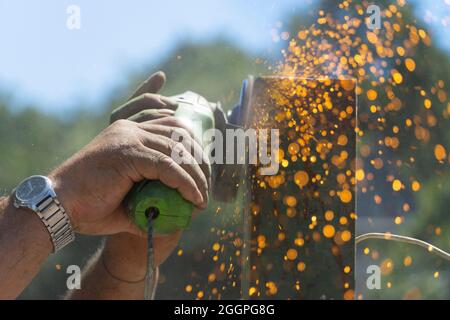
(44, 62)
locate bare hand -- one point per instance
(145, 104)
(92, 184)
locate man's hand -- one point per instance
(92, 184)
(125, 255)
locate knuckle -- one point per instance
(180, 132)
(149, 97)
(122, 123)
(178, 151)
(165, 162)
(175, 122)
(177, 147)
(170, 144)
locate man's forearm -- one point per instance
(116, 271)
(24, 245)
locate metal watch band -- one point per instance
(56, 221)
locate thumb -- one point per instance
(153, 84)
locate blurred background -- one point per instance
(58, 86)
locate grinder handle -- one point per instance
(169, 210)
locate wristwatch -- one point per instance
(37, 194)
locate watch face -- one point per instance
(31, 188)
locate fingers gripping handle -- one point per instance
(171, 211)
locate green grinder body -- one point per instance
(169, 210)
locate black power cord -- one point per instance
(152, 272)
